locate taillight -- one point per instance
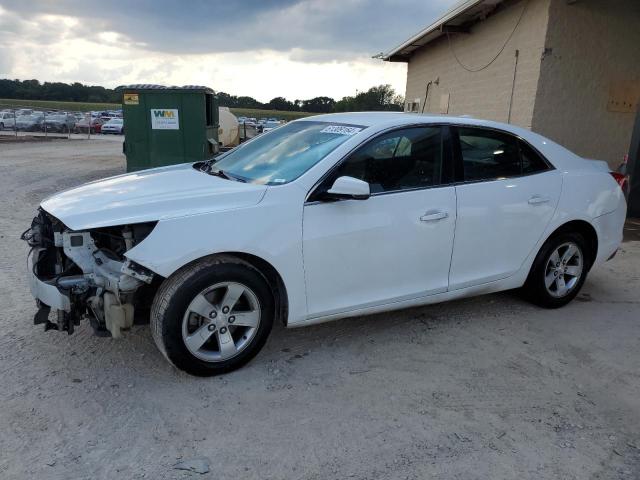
(620, 180)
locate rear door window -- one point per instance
(492, 155)
(488, 155)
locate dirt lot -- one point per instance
(486, 388)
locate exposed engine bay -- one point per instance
(85, 274)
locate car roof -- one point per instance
(371, 119)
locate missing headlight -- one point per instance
(115, 241)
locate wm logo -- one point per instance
(163, 114)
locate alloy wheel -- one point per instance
(563, 270)
(221, 321)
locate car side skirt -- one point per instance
(515, 281)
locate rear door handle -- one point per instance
(537, 199)
(433, 216)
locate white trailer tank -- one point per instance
(228, 132)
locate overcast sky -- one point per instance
(262, 48)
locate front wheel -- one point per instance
(559, 271)
(213, 316)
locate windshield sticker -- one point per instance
(341, 130)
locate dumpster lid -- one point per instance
(150, 86)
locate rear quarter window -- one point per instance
(532, 162)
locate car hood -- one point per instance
(149, 195)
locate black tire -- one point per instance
(1, 126)
(535, 288)
(177, 292)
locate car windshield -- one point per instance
(284, 154)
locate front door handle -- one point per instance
(537, 199)
(433, 216)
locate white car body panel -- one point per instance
(149, 195)
(355, 257)
(497, 227)
(271, 231)
(361, 253)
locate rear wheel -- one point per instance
(559, 271)
(212, 317)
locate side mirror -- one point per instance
(349, 188)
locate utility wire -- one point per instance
(473, 70)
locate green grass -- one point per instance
(54, 105)
(255, 113)
(85, 106)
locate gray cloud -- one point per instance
(312, 30)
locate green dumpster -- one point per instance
(168, 125)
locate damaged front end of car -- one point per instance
(85, 274)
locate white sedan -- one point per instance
(7, 120)
(327, 217)
(115, 125)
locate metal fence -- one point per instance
(248, 130)
(33, 120)
(36, 121)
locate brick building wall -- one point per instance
(592, 47)
(487, 93)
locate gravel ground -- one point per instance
(486, 388)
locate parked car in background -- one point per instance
(29, 123)
(63, 123)
(23, 111)
(216, 250)
(7, 120)
(92, 124)
(115, 125)
(270, 125)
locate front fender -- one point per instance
(271, 231)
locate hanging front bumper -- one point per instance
(47, 293)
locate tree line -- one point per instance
(381, 97)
